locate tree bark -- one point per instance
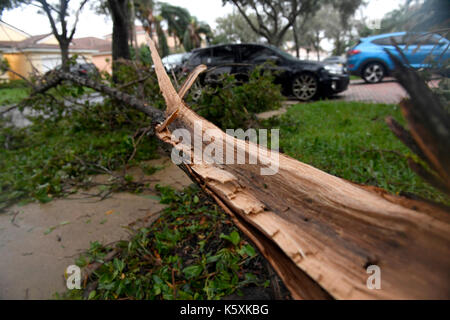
(64, 46)
(319, 232)
(328, 229)
(297, 47)
(133, 35)
(120, 36)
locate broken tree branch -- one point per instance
(57, 76)
(319, 232)
(328, 229)
(429, 126)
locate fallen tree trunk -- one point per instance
(320, 232)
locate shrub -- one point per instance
(233, 105)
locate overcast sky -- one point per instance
(91, 24)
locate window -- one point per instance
(201, 57)
(425, 39)
(389, 41)
(252, 54)
(223, 55)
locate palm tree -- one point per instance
(185, 28)
(145, 13)
(177, 19)
(192, 35)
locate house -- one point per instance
(28, 54)
(102, 57)
(9, 33)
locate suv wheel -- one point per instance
(305, 87)
(373, 72)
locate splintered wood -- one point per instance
(319, 232)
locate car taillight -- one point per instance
(83, 71)
(353, 52)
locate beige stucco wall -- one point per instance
(103, 62)
(18, 63)
(26, 63)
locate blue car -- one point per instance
(369, 60)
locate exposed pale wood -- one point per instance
(190, 80)
(329, 228)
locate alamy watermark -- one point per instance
(374, 281)
(213, 146)
(73, 277)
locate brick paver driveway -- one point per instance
(388, 91)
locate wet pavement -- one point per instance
(39, 241)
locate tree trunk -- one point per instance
(297, 47)
(120, 36)
(64, 47)
(325, 236)
(133, 35)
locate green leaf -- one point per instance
(49, 230)
(118, 264)
(157, 279)
(196, 200)
(192, 271)
(92, 295)
(247, 250)
(234, 237)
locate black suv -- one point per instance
(302, 79)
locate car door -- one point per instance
(431, 49)
(388, 43)
(411, 49)
(222, 61)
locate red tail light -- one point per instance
(353, 52)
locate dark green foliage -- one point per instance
(71, 138)
(183, 255)
(139, 79)
(162, 40)
(234, 105)
(177, 19)
(145, 57)
(47, 159)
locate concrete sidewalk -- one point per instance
(39, 241)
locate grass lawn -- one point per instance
(12, 95)
(352, 141)
(355, 77)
